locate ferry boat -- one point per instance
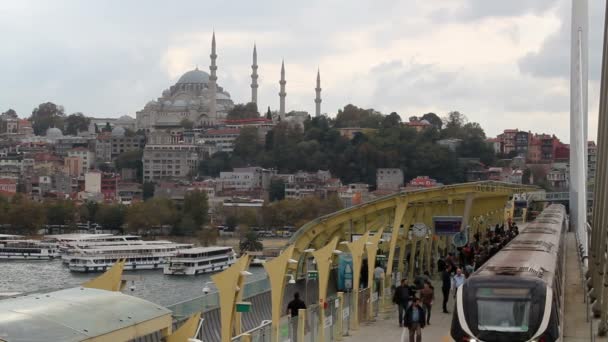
(138, 257)
(27, 250)
(72, 249)
(199, 260)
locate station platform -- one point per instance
(387, 327)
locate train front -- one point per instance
(503, 309)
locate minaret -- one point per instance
(318, 97)
(213, 80)
(254, 76)
(282, 93)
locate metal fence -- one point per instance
(263, 333)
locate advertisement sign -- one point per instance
(345, 271)
(447, 225)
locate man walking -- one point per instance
(457, 280)
(446, 284)
(415, 320)
(402, 299)
(427, 295)
(292, 312)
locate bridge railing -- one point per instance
(210, 301)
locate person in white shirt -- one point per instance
(457, 280)
(378, 274)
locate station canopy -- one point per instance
(76, 314)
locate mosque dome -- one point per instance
(118, 131)
(54, 132)
(194, 76)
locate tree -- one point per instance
(131, 160)
(61, 213)
(243, 111)
(196, 207)
(111, 216)
(148, 190)
(231, 222)
(277, 190)
(208, 236)
(391, 120)
(47, 115)
(251, 242)
(11, 113)
(75, 123)
(186, 123)
(434, 120)
(26, 216)
(268, 114)
(186, 227)
(107, 128)
(247, 145)
(353, 116)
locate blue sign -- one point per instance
(447, 225)
(345, 271)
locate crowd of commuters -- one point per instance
(415, 309)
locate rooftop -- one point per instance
(75, 314)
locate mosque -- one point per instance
(198, 98)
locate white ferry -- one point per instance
(27, 250)
(199, 260)
(139, 257)
(72, 249)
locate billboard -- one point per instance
(447, 225)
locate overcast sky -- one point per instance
(504, 64)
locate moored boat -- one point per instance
(200, 260)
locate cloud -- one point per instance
(503, 63)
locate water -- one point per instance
(34, 276)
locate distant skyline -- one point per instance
(502, 64)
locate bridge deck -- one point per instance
(387, 326)
(576, 325)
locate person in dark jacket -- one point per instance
(415, 319)
(446, 285)
(402, 298)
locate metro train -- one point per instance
(518, 294)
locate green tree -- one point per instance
(110, 216)
(75, 123)
(186, 123)
(353, 116)
(434, 120)
(186, 227)
(148, 190)
(277, 190)
(11, 113)
(47, 115)
(220, 161)
(231, 222)
(391, 120)
(208, 236)
(247, 145)
(131, 160)
(107, 128)
(196, 207)
(243, 111)
(26, 216)
(251, 242)
(268, 114)
(61, 212)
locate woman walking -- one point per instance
(427, 295)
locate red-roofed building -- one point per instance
(8, 186)
(418, 125)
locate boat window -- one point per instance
(502, 309)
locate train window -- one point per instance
(502, 309)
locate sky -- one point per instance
(504, 64)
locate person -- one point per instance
(292, 312)
(378, 274)
(364, 274)
(295, 305)
(457, 280)
(427, 295)
(402, 298)
(415, 320)
(446, 284)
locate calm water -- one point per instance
(33, 276)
